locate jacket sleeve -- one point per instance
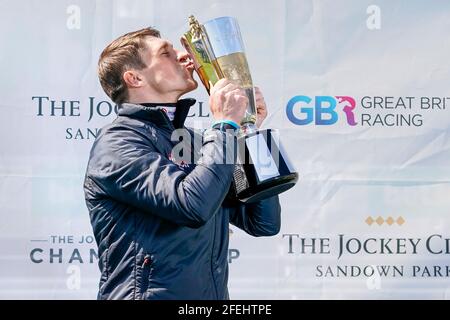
(261, 218)
(149, 181)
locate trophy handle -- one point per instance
(198, 46)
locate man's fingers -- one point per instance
(258, 94)
(220, 85)
(229, 88)
(242, 100)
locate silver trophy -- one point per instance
(217, 50)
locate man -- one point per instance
(162, 226)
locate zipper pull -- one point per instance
(147, 261)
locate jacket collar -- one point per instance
(153, 112)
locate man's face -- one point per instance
(169, 71)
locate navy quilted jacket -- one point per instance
(162, 226)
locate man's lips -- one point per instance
(190, 66)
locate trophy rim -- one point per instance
(221, 18)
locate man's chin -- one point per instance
(192, 85)
(195, 84)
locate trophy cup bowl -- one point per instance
(263, 168)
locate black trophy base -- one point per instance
(263, 169)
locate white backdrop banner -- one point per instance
(360, 91)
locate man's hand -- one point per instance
(261, 108)
(227, 101)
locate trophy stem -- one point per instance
(247, 128)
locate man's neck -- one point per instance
(152, 97)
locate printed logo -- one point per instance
(383, 111)
(324, 110)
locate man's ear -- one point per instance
(133, 79)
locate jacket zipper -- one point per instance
(212, 257)
(146, 268)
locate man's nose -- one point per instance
(183, 56)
